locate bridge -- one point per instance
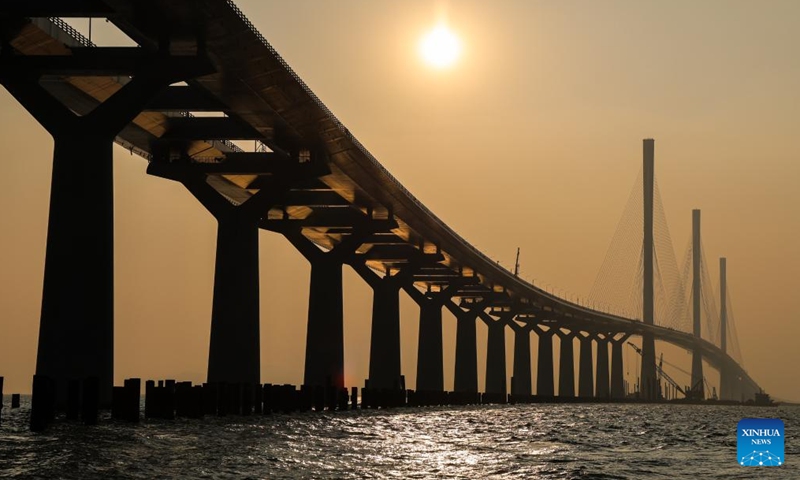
(201, 80)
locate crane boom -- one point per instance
(661, 371)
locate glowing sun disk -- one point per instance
(440, 47)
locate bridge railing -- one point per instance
(71, 31)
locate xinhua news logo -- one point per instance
(760, 442)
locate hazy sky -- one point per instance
(532, 140)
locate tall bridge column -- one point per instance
(544, 367)
(522, 360)
(648, 387)
(430, 356)
(585, 375)
(76, 332)
(466, 369)
(384, 351)
(495, 354)
(234, 351)
(698, 390)
(602, 379)
(617, 372)
(324, 359)
(566, 367)
(725, 370)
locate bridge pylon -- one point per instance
(725, 372)
(698, 387)
(649, 388)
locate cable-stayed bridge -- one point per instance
(200, 83)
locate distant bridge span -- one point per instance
(308, 179)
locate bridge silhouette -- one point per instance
(201, 81)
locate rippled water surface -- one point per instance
(531, 441)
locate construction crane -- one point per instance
(661, 372)
(516, 265)
(708, 387)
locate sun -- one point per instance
(440, 48)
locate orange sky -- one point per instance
(533, 139)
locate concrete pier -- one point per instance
(384, 352)
(544, 369)
(566, 367)
(602, 380)
(430, 361)
(76, 332)
(325, 334)
(235, 352)
(466, 368)
(585, 374)
(495, 356)
(521, 384)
